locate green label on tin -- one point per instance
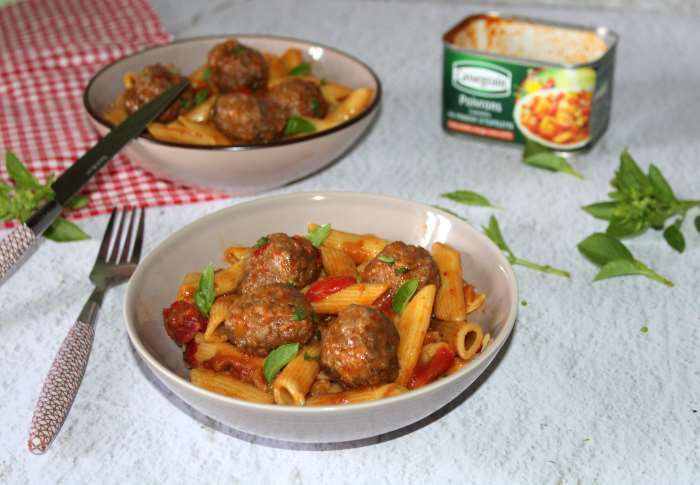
(512, 102)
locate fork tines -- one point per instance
(123, 253)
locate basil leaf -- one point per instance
(63, 230)
(318, 235)
(201, 96)
(386, 259)
(298, 314)
(601, 249)
(401, 270)
(77, 202)
(629, 178)
(493, 231)
(4, 189)
(468, 197)
(602, 210)
(624, 267)
(297, 124)
(644, 329)
(450, 212)
(206, 74)
(236, 50)
(697, 223)
(277, 359)
(204, 297)
(315, 107)
(540, 156)
(674, 236)
(403, 295)
(662, 189)
(19, 174)
(620, 228)
(300, 70)
(262, 241)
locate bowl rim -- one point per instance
(158, 367)
(98, 118)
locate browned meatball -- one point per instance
(405, 262)
(300, 98)
(248, 119)
(359, 347)
(152, 81)
(283, 259)
(234, 65)
(269, 316)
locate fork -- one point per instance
(61, 385)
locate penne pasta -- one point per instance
(324, 386)
(217, 314)
(276, 68)
(291, 59)
(227, 385)
(335, 93)
(184, 131)
(429, 351)
(224, 357)
(227, 280)
(476, 303)
(233, 254)
(357, 294)
(360, 248)
(449, 301)
(337, 262)
(413, 325)
(294, 382)
(353, 104)
(464, 338)
(188, 287)
(356, 395)
(202, 112)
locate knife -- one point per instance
(16, 245)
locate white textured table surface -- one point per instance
(579, 395)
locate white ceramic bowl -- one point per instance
(154, 286)
(237, 169)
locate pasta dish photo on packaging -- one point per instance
(241, 96)
(327, 318)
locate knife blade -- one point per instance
(17, 244)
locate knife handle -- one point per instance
(13, 247)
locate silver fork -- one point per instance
(61, 385)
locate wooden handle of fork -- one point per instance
(61, 386)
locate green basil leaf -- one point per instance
(620, 228)
(697, 223)
(644, 329)
(629, 178)
(5, 190)
(77, 202)
(624, 267)
(301, 70)
(540, 156)
(615, 195)
(403, 295)
(204, 297)
(201, 96)
(206, 74)
(493, 231)
(63, 230)
(386, 259)
(315, 107)
(662, 189)
(401, 270)
(19, 174)
(262, 241)
(602, 210)
(601, 249)
(318, 235)
(674, 236)
(277, 359)
(297, 125)
(450, 212)
(298, 314)
(468, 197)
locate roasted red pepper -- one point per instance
(438, 365)
(327, 286)
(383, 304)
(182, 321)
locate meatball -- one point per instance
(359, 347)
(269, 316)
(152, 81)
(234, 66)
(300, 98)
(406, 262)
(248, 119)
(283, 259)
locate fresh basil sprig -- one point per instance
(615, 259)
(206, 74)
(17, 202)
(204, 297)
(386, 259)
(319, 234)
(540, 156)
(642, 201)
(298, 314)
(493, 231)
(403, 295)
(301, 70)
(277, 359)
(201, 96)
(297, 125)
(467, 197)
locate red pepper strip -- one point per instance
(327, 286)
(438, 365)
(383, 304)
(260, 250)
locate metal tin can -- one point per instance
(512, 78)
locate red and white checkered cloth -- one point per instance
(49, 50)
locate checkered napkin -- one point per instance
(49, 49)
